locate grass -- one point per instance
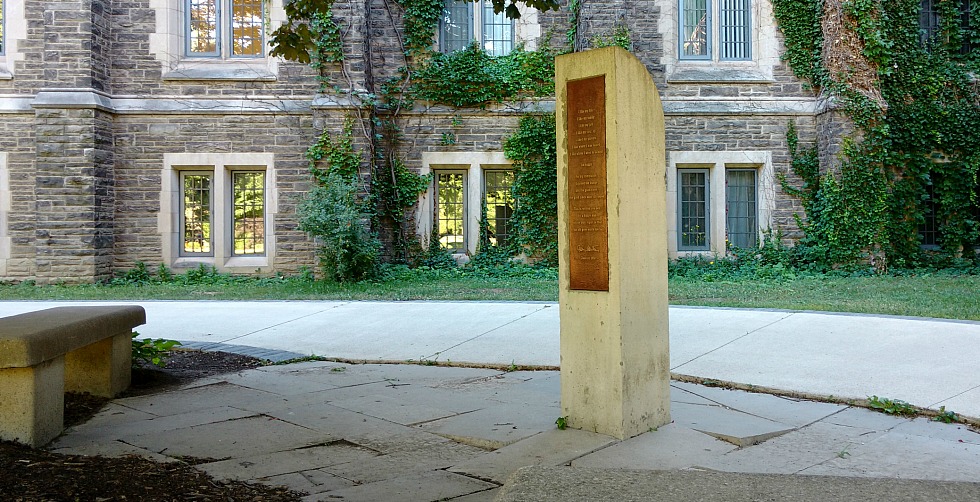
(952, 297)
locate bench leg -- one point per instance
(32, 402)
(102, 368)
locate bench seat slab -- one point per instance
(32, 403)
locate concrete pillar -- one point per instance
(615, 364)
(32, 402)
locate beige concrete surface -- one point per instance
(614, 344)
(32, 402)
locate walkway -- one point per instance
(926, 362)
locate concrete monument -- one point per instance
(615, 367)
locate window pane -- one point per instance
(249, 212)
(734, 29)
(928, 20)
(741, 208)
(450, 211)
(246, 27)
(196, 211)
(202, 27)
(693, 214)
(500, 205)
(694, 28)
(456, 26)
(3, 7)
(498, 32)
(965, 12)
(928, 229)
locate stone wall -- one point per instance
(100, 94)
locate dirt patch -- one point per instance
(28, 474)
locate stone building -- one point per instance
(135, 131)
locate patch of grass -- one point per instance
(950, 297)
(937, 294)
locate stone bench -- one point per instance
(43, 354)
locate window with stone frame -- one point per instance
(715, 30)
(3, 8)
(464, 22)
(218, 209)
(718, 200)
(930, 22)
(224, 28)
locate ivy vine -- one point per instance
(914, 98)
(533, 152)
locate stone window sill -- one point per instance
(711, 73)
(241, 70)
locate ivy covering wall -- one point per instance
(912, 94)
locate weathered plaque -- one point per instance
(588, 221)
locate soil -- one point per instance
(28, 474)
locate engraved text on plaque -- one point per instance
(587, 217)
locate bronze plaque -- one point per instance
(588, 221)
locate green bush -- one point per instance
(331, 213)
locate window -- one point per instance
(195, 225)
(5, 196)
(463, 22)
(930, 22)
(740, 208)
(220, 209)
(247, 213)
(717, 199)
(224, 28)
(693, 209)
(702, 37)
(928, 230)
(248, 221)
(450, 210)
(3, 7)
(470, 192)
(499, 204)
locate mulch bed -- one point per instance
(28, 474)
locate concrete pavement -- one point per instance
(926, 362)
(342, 431)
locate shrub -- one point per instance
(331, 213)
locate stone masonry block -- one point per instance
(32, 402)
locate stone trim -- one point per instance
(179, 105)
(5, 196)
(221, 164)
(716, 163)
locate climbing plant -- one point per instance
(377, 96)
(913, 97)
(533, 152)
